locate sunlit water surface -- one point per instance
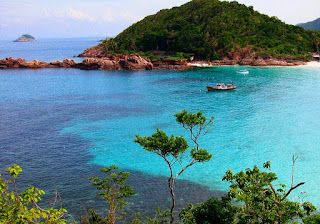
(61, 125)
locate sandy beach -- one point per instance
(312, 64)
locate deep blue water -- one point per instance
(47, 50)
(61, 125)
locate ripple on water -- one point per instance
(62, 127)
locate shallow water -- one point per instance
(60, 125)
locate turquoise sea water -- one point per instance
(62, 124)
(272, 115)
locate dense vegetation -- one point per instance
(253, 198)
(212, 29)
(312, 25)
(23, 208)
(261, 201)
(27, 36)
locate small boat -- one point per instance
(220, 86)
(243, 71)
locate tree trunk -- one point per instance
(112, 217)
(171, 186)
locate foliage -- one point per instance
(113, 190)
(23, 207)
(172, 149)
(312, 219)
(94, 218)
(160, 218)
(27, 36)
(211, 29)
(254, 200)
(212, 211)
(263, 202)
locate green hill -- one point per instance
(313, 25)
(212, 29)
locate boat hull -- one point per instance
(212, 88)
(243, 72)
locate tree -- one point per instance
(161, 217)
(312, 219)
(252, 198)
(113, 190)
(217, 211)
(23, 207)
(263, 203)
(172, 149)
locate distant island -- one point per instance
(25, 38)
(312, 25)
(212, 30)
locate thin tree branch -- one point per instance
(190, 164)
(294, 159)
(291, 189)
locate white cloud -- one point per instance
(69, 14)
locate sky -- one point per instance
(107, 18)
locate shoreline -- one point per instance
(312, 64)
(136, 62)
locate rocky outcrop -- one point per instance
(125, 62)
(254, 62)
(122, 62)
(94, 52)
(99, 58)
(133, 62)
(22, 63)
(245, 56)
(259, 62)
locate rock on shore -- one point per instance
(258, 62)
(133, 62)
(125, 62)
(94, 52)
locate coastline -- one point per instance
(313, 64)
(136, 62)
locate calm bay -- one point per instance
(61, 125)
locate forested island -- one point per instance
(25, 38)
(213, 29)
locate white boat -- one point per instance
(243, 71)
(220, 86)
